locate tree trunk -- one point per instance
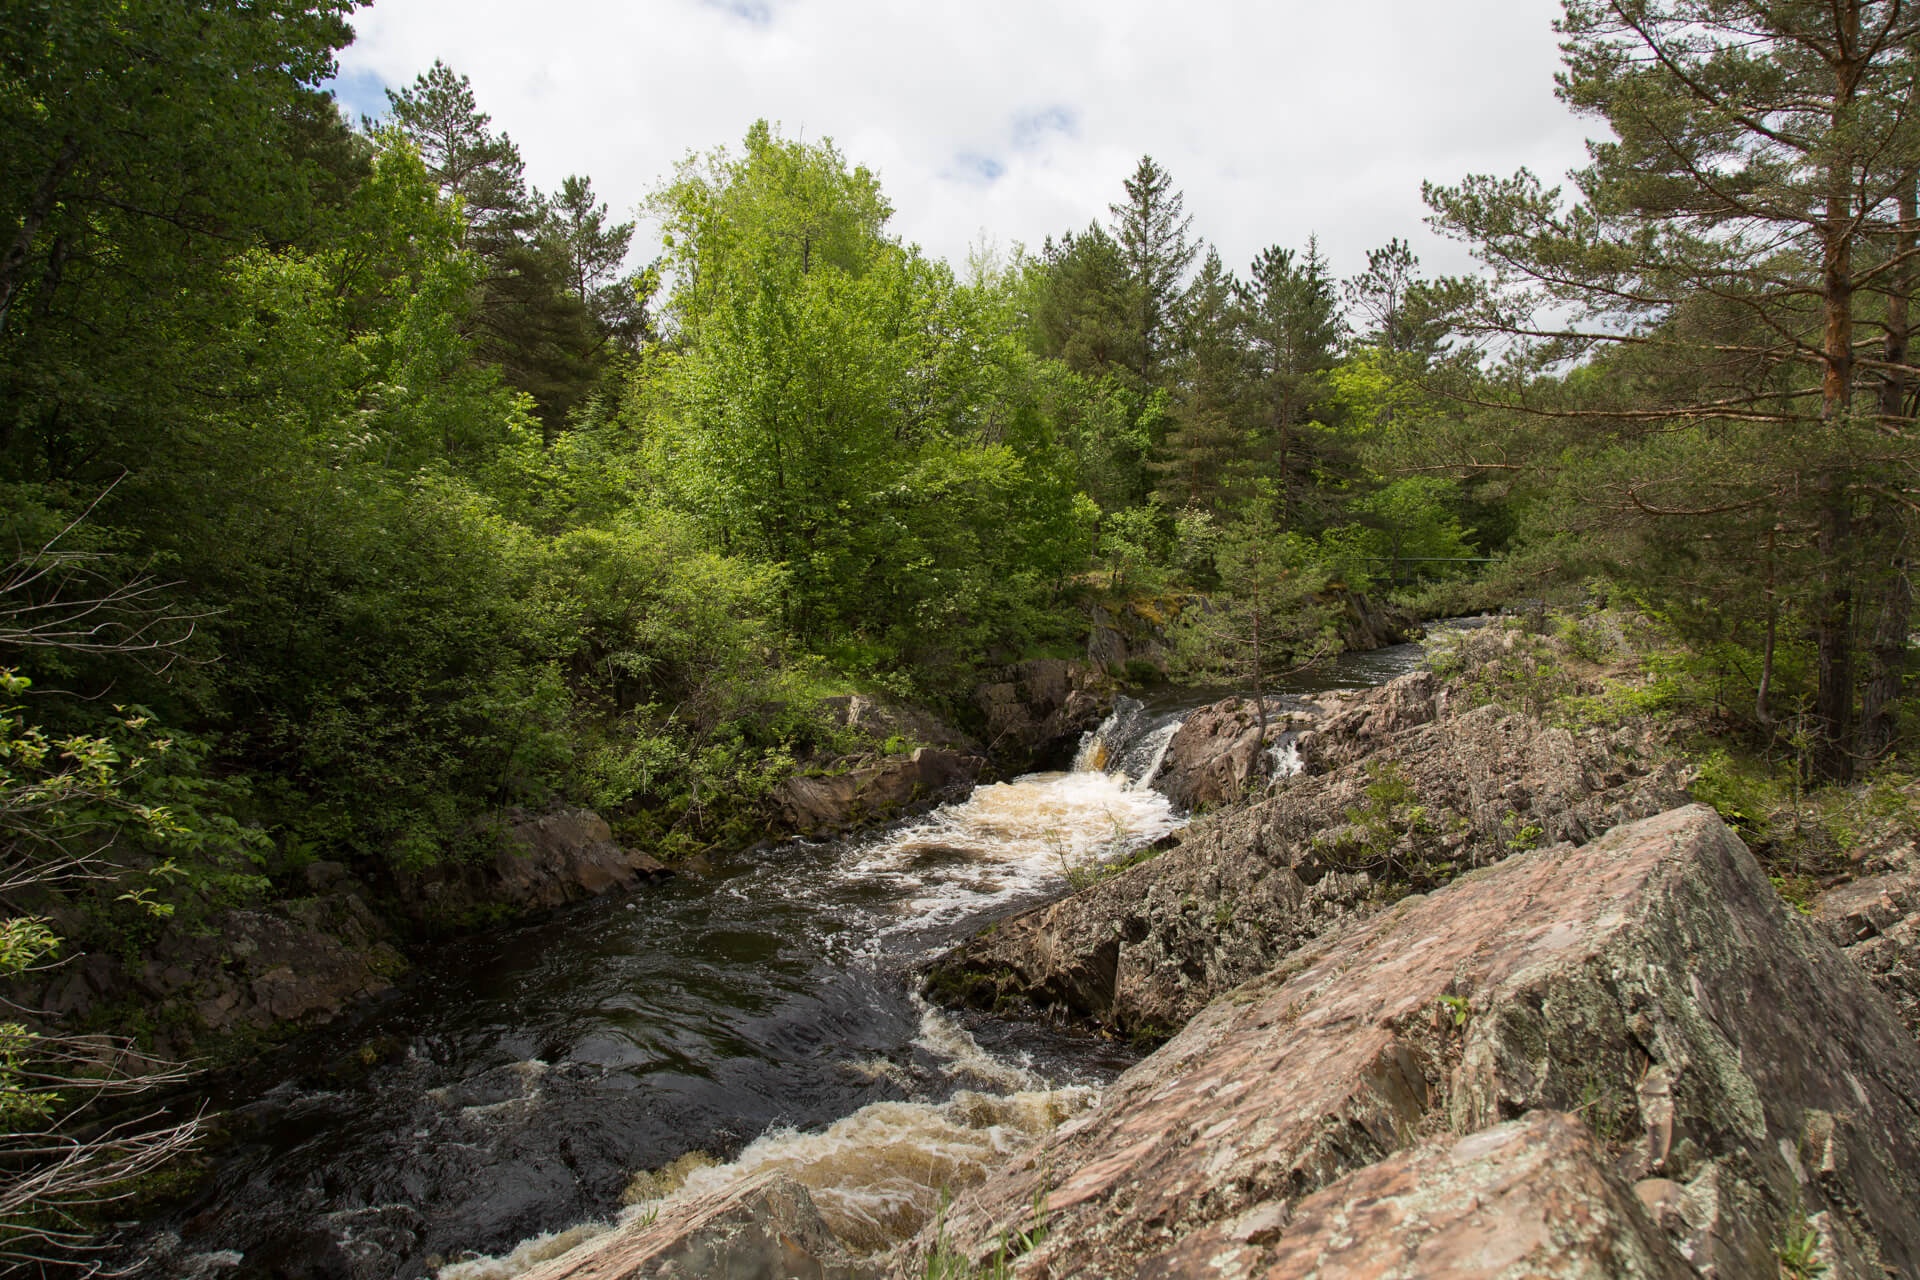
(1762, 696)
(1886, 657)
(1833, 622)
(13, 264)
(1886, 665)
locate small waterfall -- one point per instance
(1283, 757)
(1131, 742)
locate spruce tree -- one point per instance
(1293, 331)
(1207, 460)
(1153, 231)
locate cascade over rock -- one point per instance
(1237, 891)
(1218, 753)
(1036, 711)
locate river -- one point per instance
(500, 1104)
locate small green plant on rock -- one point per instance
(1377, 828)
(1799, 1250)
(1517, 834)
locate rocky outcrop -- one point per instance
(301, 963)
(541, 861)
(1726, 1062)
(810, 804)
(881, 719)
(1365, 623)
(1218, 753)
(1876, 921)
(764, 1227)
(1424, 794)
(1036, 711)
(1534, 1197)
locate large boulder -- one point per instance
(1218, 753)
(301, 962)
(1535, 1197)
(1237, 891)
(1650, 982)
(822, 804)
(764, 1227)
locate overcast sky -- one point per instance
(1006, 122)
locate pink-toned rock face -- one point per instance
(1217, 754)
(1650, 982)
(1243, 888)
(1533, 1198)
(762, 1228)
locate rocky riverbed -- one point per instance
(1471, 995)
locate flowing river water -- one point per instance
(499, 1106)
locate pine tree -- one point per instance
(576, 233)
(528, 318)
(1746, 237)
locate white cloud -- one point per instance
(1019, 120)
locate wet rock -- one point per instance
(1530, 1198)
(1145, 950)
(818, 805)
(1037, 710)
(764, 1227)
(1358, 726)
(300, 962)
(1217, 753)
(1651, 982)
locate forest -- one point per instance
(353, 490)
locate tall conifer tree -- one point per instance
(1154, 234)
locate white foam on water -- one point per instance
(1157, 742)
(525, 1256)
(876, 1176)
(1007, 841)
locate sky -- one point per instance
(996, 122)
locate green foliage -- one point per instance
(67, 821)
(1388, 834)
(846, 410)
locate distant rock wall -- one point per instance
(828, 803)
(1034, 712)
